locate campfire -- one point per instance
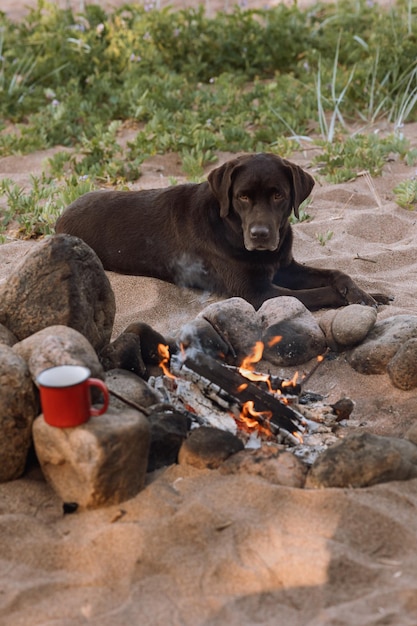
(255, 406)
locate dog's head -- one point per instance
(261, 189)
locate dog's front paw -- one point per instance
(361, 297)
(352, 294)
(382, 298)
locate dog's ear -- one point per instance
(302, 184)
(220, 181)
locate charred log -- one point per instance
(236, 389)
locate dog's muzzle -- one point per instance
(260, 237)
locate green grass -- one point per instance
(195, 85)
(343, 160)
(406, 194)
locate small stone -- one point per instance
(325, 323)
(237, 322)
(276, 310)
(207, 448)
(18, 408)
(291, 334)
(199, 334)
(150, 339)
(100, 463)
(168, 431)
(277, 466)
(298, 343)
(130, 387)
(124, 353)
(343, 409)
(363, 459)
(58, 345)
(402, 369)
(352, 324)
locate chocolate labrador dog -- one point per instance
(229, 235)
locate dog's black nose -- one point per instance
(259, 232)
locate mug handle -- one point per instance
(96, 382)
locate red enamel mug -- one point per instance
(65, 395)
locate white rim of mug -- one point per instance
(84, 374)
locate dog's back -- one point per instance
(143, 232)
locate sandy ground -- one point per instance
(196, 548)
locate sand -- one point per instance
(196, 547)
(199, 548)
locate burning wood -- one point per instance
(245, 402)
(274, 384)
(267, 409)
(256, 401)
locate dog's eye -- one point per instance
(243, 197)
(277, 196)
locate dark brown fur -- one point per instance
(230, 235)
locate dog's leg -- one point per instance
(330, 286)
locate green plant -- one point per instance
(194, 160)
(33, 213)
(323, 238)
(303, 216)
(334, 100)
(344, 159)
(406, 194)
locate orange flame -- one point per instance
(291, 382)
(254, 356)
(298, 436)
(272, 342)
(246, 368)
(164, 355)
(249, 419)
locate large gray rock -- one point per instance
(352, 324)
(61, 281)
(200, 335)
(127, 387)
(348, 326)
(6, 336)
(275, 465)
(237, 323)
(58, 345)
(300, 336)
(18, 408)
(100, 463)
(363, 459)
(169, 429)
(207, 448)
(383, 342)
(402, 369)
